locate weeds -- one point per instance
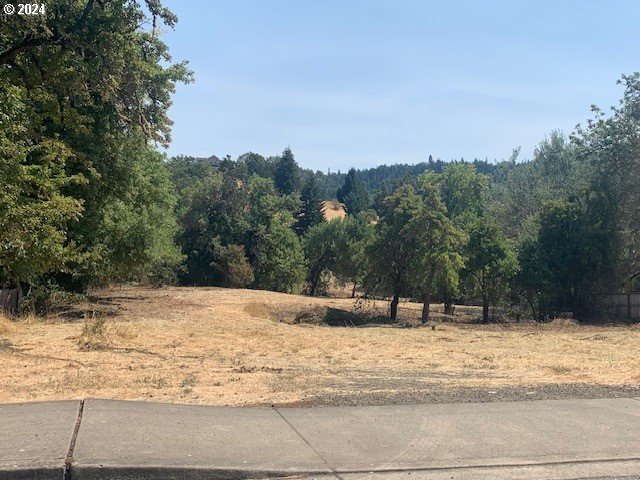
(189, 381)
(94, 334)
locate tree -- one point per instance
(320, 248)
(257, 164)
(311, 213)
(438, 247)
(185, 172)
(137, 240)
(567, 260)
(395, 252)
(215, 216)
(463, 190)
(609, 146)
(34, 211)
(287, 175)
(554, 173)
(357, 200)
(490, 262)
(275, 250)
(98, 85)
(279, 259)
(347, 187)
(353, 238)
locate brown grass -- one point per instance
(240, 347)
(333, 209)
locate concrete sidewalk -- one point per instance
(552, 439)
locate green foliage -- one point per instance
(239, 234)
(258, 165)
(396, 251)
(34, 211)
(311, 213)
(279, 259)
(440, 245)
(214, 216)
(136, 240)
(610, 148)
(463, 190)
(354, 237)
(353, 194)
(321, 251)
(357, 200)
(287, 175)
(86, 199)
(566, 262)
(348, 185)
(232, 265)
(95, 89)
(553, 174)
(490, 263)
(185, 172)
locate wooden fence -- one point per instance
(622, 304)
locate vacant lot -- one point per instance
(240, 347)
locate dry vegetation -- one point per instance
(333, 209)
(241, 347)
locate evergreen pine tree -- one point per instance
(357, 200)
(347, 188)
(311, 213)
(287, 173)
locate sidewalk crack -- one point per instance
(72, 444)
(333, 470)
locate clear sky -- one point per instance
(361, 83)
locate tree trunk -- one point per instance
(534, 313)
(314, 278)
(449, 308)
(313, 285)
(394, 306)
(353, 292)
(11, 298)
(485, 298)
(426, 301)
(485, 310)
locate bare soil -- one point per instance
(244, 347)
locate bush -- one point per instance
(232, 265)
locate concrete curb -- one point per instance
(623, 469)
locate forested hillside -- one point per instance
(373, 178)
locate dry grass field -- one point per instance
(333, 209)
(243, 347)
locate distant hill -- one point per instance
(376, 177)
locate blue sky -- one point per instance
(362, 83)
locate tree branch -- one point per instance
(9, 54)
